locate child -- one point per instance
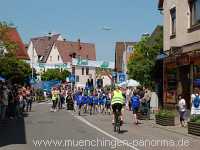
(91, 102)
(101, 103)
(85, 102)
(79, 103)
(96, 103)
(135, 102)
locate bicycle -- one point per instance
(117, 123)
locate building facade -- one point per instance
(39, 49)
(52, 51)
(122, 53)
(67, 51)
(182, 45)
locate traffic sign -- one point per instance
(72, 78)
(121, 77)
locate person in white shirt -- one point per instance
(154, 102)
(182, 109)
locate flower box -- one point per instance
(165, 118)
(194, 128)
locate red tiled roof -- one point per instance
(14, 36)
(67, 48)
(43, 45)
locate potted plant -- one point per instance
(165, 118)
(194, 125)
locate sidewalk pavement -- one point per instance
(174, 129)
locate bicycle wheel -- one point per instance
(118, 130)
(118, 122)
(115, 124)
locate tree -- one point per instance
(55, 74)
(14, 70)
(142, 61)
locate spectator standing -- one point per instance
(24, 97)
(54, 94)
(4, 105)
(182, 109)
(1, 99)
(29, 99)
(21, 104)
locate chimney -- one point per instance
(79, 44)
(50, 34)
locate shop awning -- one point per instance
(2, 79)
(161, 56)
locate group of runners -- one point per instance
(104, 101)
(97, 101)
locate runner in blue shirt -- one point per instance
(91, 102)
(96, 103)
(85, 102)
(101, 102)
(79, 102)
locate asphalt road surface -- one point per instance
(45, 130)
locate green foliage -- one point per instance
(195, 118)
(55, 74)
(142, 62)
(16, 71)
(166, 113)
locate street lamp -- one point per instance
(125, 57)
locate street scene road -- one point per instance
(70, 131)
(100, 75)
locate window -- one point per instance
(194, 12)
(87, 71)
(130, 49)
(77, 78)
(173, 21)
(82, 71)
(79, 57)
(58, 57)
(50, 58)
(73, 70)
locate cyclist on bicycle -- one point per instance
(117, 102)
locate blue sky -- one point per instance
(84, 19)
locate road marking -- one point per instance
(42, 103)
(104, 132)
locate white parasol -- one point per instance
(132, 83)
